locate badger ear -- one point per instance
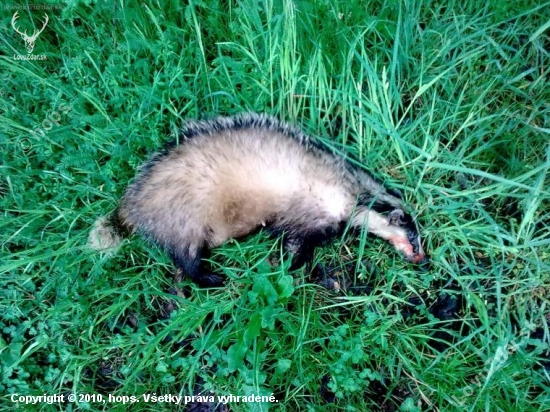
(396, 217)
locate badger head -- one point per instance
(409, 242)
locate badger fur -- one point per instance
(232, 175)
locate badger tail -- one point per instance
(107, 232)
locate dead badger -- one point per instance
(231, 175)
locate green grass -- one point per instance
(447, 101)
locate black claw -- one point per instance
(210, 280)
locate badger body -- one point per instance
(232, 175)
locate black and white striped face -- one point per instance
(409, 243)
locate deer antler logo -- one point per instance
(29, 40)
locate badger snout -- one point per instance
(420, 259)
(413, 254)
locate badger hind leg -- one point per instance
(301, 250)
(302, 246)
(188, 262)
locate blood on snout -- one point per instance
(405, 247)
(418, 258)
